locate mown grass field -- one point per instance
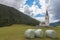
(16, 32)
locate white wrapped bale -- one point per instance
(39, 33)
(29, 33)
(51, 33)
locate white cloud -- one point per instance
(13, 3)
(51, 5)
(36, 9)
(40, 18)
(7, 2)
(44, 6)
(54, 9)
(53, 21)
(27, 9)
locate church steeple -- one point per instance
(47, 18)
(46, 13)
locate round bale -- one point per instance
(29, 33)
(51, 33)
(39, 33)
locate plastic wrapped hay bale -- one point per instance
(29, 33)
(51, 33)
(39, 33)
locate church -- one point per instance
(46, 22)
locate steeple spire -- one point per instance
(46, 12)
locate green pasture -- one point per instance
(16, 32)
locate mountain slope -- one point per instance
(55, 24)
(9, 15)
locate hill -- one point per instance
(9, 16)
(55, 24)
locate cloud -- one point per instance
(27, 10)
(42, 19)
(36, 9)
(39, 10)
(40, 15)
(13, 3)
(55, 9)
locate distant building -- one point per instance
(42, 24)
(46, 23)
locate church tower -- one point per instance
(47, 18)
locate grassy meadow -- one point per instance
(16, 32)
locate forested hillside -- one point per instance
(9, 16)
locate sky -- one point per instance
(36, 8)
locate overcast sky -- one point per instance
(36, 8)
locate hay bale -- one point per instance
(51, 33)
(39, 33)
(29, 33)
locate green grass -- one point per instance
(16, 32)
